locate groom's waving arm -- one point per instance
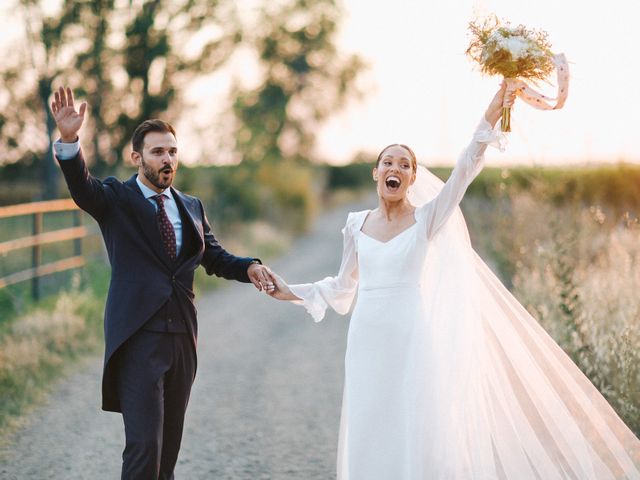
(87, 191)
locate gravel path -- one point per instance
(265, 403)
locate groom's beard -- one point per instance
(162, 178)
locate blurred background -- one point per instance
(281, 107)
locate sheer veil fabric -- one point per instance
(514, 405)
(501, 398)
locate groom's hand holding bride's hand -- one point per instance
(262, 277)
(271, 283)
(281, 290)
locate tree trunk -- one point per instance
(50, 173)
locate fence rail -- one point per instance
(43, 238)
(38, 238)
(38, 207)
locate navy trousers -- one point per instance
(155, 374)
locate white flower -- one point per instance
(496, 37)
(518, 46)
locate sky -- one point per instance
(421, 89)
(424, 91)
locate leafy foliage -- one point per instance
(133, 62)
(304, 80)
(129, 62)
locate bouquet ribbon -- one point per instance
(538, 100)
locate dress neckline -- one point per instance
(392, 238)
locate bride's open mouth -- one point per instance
(393, 183)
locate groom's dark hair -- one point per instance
(153, 125)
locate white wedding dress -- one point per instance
(446, 374)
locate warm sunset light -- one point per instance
(238, 188)
(422, 90)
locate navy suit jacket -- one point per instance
(143, 276)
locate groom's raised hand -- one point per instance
(64, 113)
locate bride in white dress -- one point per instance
(446, 375)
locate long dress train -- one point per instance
(447, 376)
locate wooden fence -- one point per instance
(36, 211)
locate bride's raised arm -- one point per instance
(337, 292)
(437, 211)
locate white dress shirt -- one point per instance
(170, 206)
(67, 151)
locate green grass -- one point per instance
(39, 340)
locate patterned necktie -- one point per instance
(167, 232)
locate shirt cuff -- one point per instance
(66, 151)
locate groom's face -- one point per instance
(158, 161)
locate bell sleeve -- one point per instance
(337, 292)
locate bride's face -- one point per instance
(394, 173)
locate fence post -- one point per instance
(77, 243)
(36, 255)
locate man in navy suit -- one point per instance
(156, 237)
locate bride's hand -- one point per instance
(505, 97)
(282, 290)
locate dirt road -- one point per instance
(265, 403)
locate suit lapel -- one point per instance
(191, 211)
(146, 215)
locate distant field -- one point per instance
(616, 186)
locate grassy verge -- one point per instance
(40, 340)
(574, 266)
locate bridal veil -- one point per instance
(512, 404)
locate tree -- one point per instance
(26, 125)
(132, 61)
(305, 80)
(167, 45)
(129, 63)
